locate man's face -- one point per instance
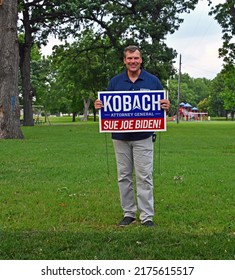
(133, 61)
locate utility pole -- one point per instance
(178, 106)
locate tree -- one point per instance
(192, 91)
(200, 87)
(228, 90)
(216, 104)
(225, 15)
(36, 17)
(204, 105)
(9, 59)
(143, 22)
(81, 69)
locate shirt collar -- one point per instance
(141, 75)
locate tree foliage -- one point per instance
(192, 91)
(142, 22)
(228, 90)
(223, 91)
(216, 105)
(225, 15)
(37, 19)
(82, 72)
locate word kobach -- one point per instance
(126, 103)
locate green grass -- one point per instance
(59, 196)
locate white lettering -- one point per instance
(145, 104)
(147, 124)
(156, 102)
(106, 103)
(118, 103)
(127, 124)
(126, 103)
(110, 125)
(136, 103)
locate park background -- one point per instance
(58, 195)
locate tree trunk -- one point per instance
(25, 50)
(25, 83)
(86, 108)
(74, 117)
(9, 65)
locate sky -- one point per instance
(197, 40)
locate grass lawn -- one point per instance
(59, 196)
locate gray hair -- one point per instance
(131, 49)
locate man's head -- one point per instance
(132, 59)
(131, 49)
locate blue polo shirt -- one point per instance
(121, 82)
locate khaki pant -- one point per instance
(135, 156)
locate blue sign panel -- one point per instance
(129, 111)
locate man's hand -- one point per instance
(98, 104)
(165, 104)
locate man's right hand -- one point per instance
(98, 104)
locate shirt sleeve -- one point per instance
(159, 84)
(110, 86)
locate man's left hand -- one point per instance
(165, 104)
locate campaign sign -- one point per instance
(132, 111)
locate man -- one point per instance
(134, 150)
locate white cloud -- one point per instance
(198, 40)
